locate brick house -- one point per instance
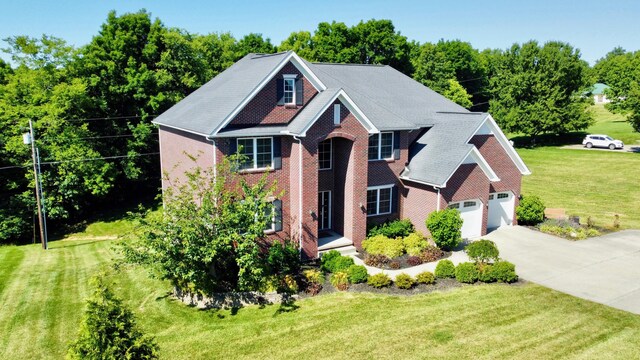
(348, 145)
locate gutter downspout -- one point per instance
(438, 198)
(299, 193)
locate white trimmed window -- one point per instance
(379, 200)
(258, 152)
(381, 146)
(289, 89)
(336, 114)
(324, 154)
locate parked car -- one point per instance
(602, 141)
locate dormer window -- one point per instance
(290, 92)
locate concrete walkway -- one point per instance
(604, 269)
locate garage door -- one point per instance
(471, 214)
(500, 209)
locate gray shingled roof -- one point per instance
(204, 109)
(437, 154)
(311, 110)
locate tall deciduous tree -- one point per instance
(457, 94)
(541, 89)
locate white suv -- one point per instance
(603, 141)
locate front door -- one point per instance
(324, 210)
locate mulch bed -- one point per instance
(402, 260)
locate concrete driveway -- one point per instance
(604, 269)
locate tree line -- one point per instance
(92, 106)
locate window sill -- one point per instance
(253, 171)
(390, 160)
(269, 232)
(290, 106)
(325, 169)
(374, 215)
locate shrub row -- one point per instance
(392, 229)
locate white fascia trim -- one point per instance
(353, 108)
(297, 62)
(502, 139)
(181, 129)
(423, 182)
(484, 165)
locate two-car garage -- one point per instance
(500, 212)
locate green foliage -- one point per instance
(539, 89)
(404, 281)
(504, 271)
(467, 272)
(415, 243)
(327, 259)
(379, 280)
(333, 262)
(382, 245)
(283, 262)
(393, 229)
(211, 244)
(109, 329)
(486, 273)
(340, 280)
(456, 93)
(426, 278)
(444, 226)
(530, 211)
(567, 229)
(445, 269)
(314, 276)
(431, 253)
(357, 274)
(482, 251)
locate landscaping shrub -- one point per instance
(445, 269)
(467, 272)
(283, 259)
(109, 329)
(414, 243)
(404, 281)
(567, 229)
(340, 280)
(394, 264)
(315, 279)
(445, 226)
(376, 260)
(482, 251)
(431, 253)
(504, 271)
(414, 260)
(327, 259)
(392, 229)
(357, 274)
(379, 281)
(383, 245)
(426, 277)
(289, 285)
(485, 273)
(530, 211)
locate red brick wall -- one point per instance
(263, 108)
(418, 202)
(468, 182)
(502, 165)
(174, 147)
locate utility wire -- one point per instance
(46, 139)
(109, 118)
(79, 160)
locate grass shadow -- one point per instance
(287, 305)
(65, 244)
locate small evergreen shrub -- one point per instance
(340, 280)
(414, 260)
(392, 229)
(383, 245)
(395, 264)
(414, 243)
(482, 251)
(376, 260)
(444, 226)
(357, 274)
(341, 264)
(504, 271)
(328, 258)
(431, 253)
(379, 281)
(485, 273)
(467, 272)
(445, 269)
(404, 281)
(109, 330)
(530, 211)
(426, 277)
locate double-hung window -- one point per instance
(381, 146)
(379, 200)
(289, 89)
(258, 153)
(324, 155)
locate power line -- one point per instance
(79, 160)
(92, 137)
(110, 118)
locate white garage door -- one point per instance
(500, 209)
(471, 214)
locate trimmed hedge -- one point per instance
(404, 281)
(504, 271)
(379, 281)
(445, 226)
(357, 274)
(333, 263)
(382, 245)
(467, 272)
(445, 269)
(426, 277)
(392, 229)
(530, 211)
(482, 251)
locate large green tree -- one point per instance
(540, 89)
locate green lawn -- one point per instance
(599, 184)
(614, 125)
(41, 300)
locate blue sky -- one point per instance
(595, 27)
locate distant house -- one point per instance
(349, 145)
(599, 96)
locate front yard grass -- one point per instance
(42, 293)
(614, 125)
(599, 184)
